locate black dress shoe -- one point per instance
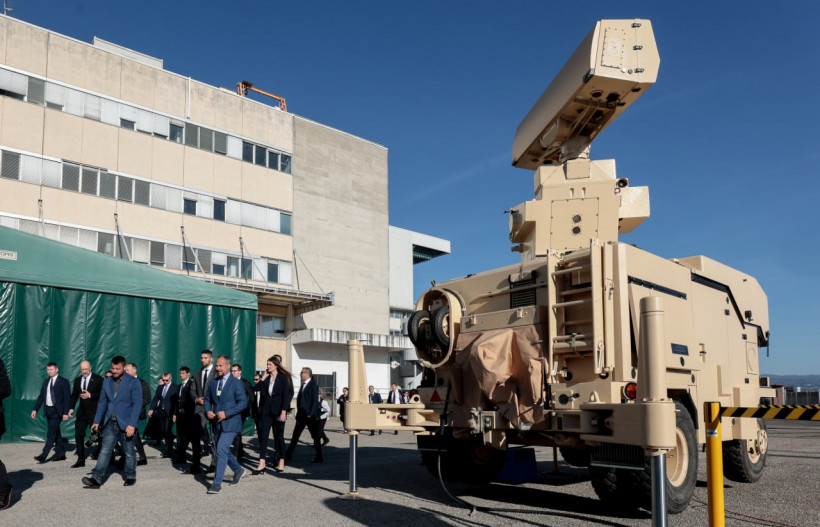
(93, 456)
(129, 482)
(256, 472)
(5, 501)
(91, 483)
(192, 470)
(142, 462)
(211, 468)
(40, 459)
(78, 464)
(325, 441)
(317, 460)
(58, 458)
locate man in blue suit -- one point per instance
(225, 401)
(118, 415)
(164, 410)
(56, 395)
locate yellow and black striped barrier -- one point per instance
(713, 412)
(797, 412)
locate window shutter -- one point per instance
(31, 169)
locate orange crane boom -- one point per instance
(242, 88)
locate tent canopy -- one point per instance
(30, 259)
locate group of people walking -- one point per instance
(208, 408)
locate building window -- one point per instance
(36, 91)
(261, 156)
(220, 143)
(175, 134)
(285, 223)
(233, 266)
(270, 326)
(108, 185)
(10, 167)
(129, 125)
(142, 192)
(71, 176)
(206, 139)
(188, 260)
(125, 188)
(273, 160)
(273, 272)
(189, 206)
(89, 181)
(247, 152)
(157, 254)
(191, 135)
(105, 243)
(219, 210)
(218, 269)
(247, 268)
(285, 165)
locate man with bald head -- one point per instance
(87, 388)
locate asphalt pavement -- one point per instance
(398, 490)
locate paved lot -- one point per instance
(399, 491)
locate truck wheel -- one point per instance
(441, 327)
(744, 460)
(575, 457)
(418, 328)
(681, 468)
(609, 485)
(463, 460)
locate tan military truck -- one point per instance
(546, 352)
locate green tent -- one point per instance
(66, 304)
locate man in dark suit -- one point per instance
(118, 415)
(225, 401)
(56, 395)
(307, 415)
(164, 408)
(87, 388)
(5, 391)
(202, 381)
(374, 398)
(184, 418)
(238, 448)
(395, 397)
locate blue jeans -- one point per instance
(111, 434)
(224, 457)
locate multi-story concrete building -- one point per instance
(102, 148)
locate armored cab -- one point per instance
(548, 351)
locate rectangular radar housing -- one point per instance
(617, 61)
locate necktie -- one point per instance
(204, 377)
(51, 389)
(165, 391)
(85, 383)
(221, 384)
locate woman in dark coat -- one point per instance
(276, 392)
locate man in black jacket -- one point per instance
(55, 394)
(202, 380)
(307, 415)
(5, 391)
(164, 408)
(87, 388)
(187, 430)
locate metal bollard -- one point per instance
(714, 465)
(652, 390)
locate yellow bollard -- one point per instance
(714, 465)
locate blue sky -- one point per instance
(726, 140)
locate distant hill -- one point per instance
(795, 380)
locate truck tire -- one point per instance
(612, 486)
(418, 328)
(743, 460)
(463, 460)
(681, 468)
(575, 457)
(441, 327)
